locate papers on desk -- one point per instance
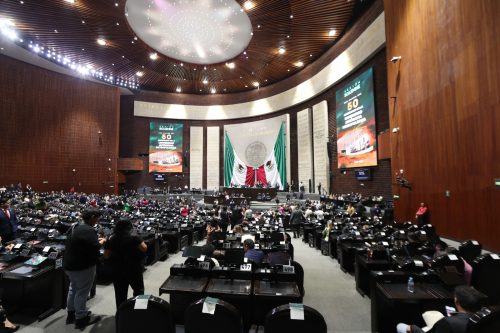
(22, 270)
(35, 261)
(209, 305)
(296, 311)
(418, 263)
(141, 302)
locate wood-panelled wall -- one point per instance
(447, 86)
(50, 125)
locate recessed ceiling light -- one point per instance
(291, 16)
(213, 91)
(70, 1)
(116, 4)
(101, 42)
(205, 81)
(299, 64)
(256, 84)
(153, 56)
(281, 50)
(178, 89)
(248, 5)
(332, 32)
(139, 74)
(230, 65)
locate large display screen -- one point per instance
(165, 147)
(356, 133)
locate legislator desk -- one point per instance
(362, 268)
(392, 303)
(35, 291)
(184, 289)
(275, 289)
(346, 252)
(234, 291)
(210, 199)
(250, 192)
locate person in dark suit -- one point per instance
(8, 221)
(467, 301)
(296, 219)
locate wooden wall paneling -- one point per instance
(447, 86)
(130, 164)
(52, 124)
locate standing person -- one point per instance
(224, 218)
(184, 211)
(126, 253)
(8, 221)
(295, 220)
(236, 217)
(422, 215)
(79, 263)
(319, 188)
(302, 190)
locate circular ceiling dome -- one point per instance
(195, 31)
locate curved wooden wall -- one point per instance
(447, 86)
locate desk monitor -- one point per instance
(277, 237)
(247, 236)
(234, 257)
(192, 251)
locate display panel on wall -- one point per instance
(356, 132)
(165, 147)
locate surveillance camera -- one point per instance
(395, 59)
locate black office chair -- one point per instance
(156, 318)
(226, 318)
(278, 320)
(485, 277)
(299, 273)
(470, 250)
(486, 320)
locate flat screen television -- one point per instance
(159, 177)
(363, 174)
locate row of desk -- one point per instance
(254, 294)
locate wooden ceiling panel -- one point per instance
(300, 26)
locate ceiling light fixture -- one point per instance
(332, 32)
(256, 84)
(281, 50)
(248, 5)
(213, 91)
(153, 56)
(70, 1)
(205, 81)
(178, 89)
(101, 41)
(140, 74)
(299, 64)
(230, 65)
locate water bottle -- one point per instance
(411, 285)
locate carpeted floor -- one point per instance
(328, 290)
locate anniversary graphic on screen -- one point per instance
(165, 147)
(356, 134)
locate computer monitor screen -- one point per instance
(192, 251)
(234, 257)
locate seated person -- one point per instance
(467, 301)
(251, 253)
(238, 229)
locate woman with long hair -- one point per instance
(126, 254)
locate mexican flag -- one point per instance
(275, 166)
(273, 171)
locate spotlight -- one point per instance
(281, 50)
(248, 5)
(139, 74)
(230, 65)
(153, 56)
(101, 42)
